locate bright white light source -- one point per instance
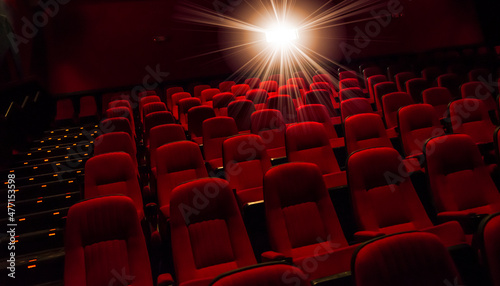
(281, 35)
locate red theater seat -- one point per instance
(253, 83)
(417, 123)
(300, 82)
(324, 85)
(372, 81)
(470, 116)
(410, 259)
(113, 174)
(196, 115)
(302, 222)
(104, 240)
(318, 113)
(351, 92)
(146, 100)
(116, 124)
(384, 200)
(64, 111)
(215, 131)
(284, 104)
(365, 131)
(88, 107)
(401, 79)
(322, 97)
(452, 82)
(280, 79)
(308, 142)
(241, 111)
(439, 98)
(258, 97)
(221, 101)
(382, 89)
(184, 106)
(369, 72)
(240, 90)
(245, 169)
(391, 103)
(271, 127)
(430, 74)
(155, 119)
(116, 142)
(225, 86)
(489, 238)
(479, 74)
(347, 75)
(415, 87)
(294, 91)
(199, 88)
(207, 96)
(161, 135)
(355, 106)
(176, 97)
(480, 91)
(177, 163)
(460, 182)
(152, 107)
(270, 273)
(169, 92)
(212, 239)
(323, 78)
(349, 83)
(269, 85)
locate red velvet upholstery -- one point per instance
(452, 82)
(391, 103)
(146, 100)
(277, 78)
(417, 123)
(103, 241)
(323, 78)
(369, 72)
(240, 89)
(324, 85)
(365, 131)
(113, 174)
(161, 135)
(301, 220)
(381, 89)
(355, 106)
(294, 91)
(195, 117)
(176, 97)
(317, 113)
(169, 92)
(116, 124)
(308, 142)
(270, 126)
(177, 163)
(155, 119)
(109, 97)
(347, 75)
(479, 74)
(207, 96)
(241, 111)
(208, 234)
(147, 93)
(479, 90)
(284, 104)
(470, 116)
(489, 235)
(116, 142)
(269, 85)
(401, 79)
(215, 131)
(225, 86)
(221, 101)
(372, 81)
(415, 87)
(351, 92)
(300, 82)
(245, 163)
(88, 107)
(199, 88)
(184, 106)
(152, 107)
(459, 180)
(119, 103)
(411, 259)
(321, 97)
(384, 200)
(124, 112)
(258, 97)
(349, 83)
(439, 98)
(430, 74)
(275, 275)
(253, 82)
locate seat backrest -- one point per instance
(196, 116)
(355, 106)
(300, 82)
(116, 142)
(155, 119)
(299, 211)
(349, 83)
(347, 75)
(323, 78)
(382, 89)
(417, 123)
(402, 78)
(240, 89)
(464, 112)
(257, 96)
(225, 86)
(365, 131)
(161, 135)
(116, 124)
(245, 160)
(113, 174)
(458, 178)
(270, 125)
(215, 131)
(152, 107)
(88, 106)
(269, 85)
(291, 90)
(437, 96)
(105, 227)
(177, 163)
(414, 258)
(253, 82)
(351, 92)
(452, 82)
(382, 193)
(479, 90)
(277, 78)
(208, 94)
(317, 113)
(479, 74)
(109, 97)
(415, 87)
(199, 88)
(284, 104)
(169, 92)
(176, 97)
(222, 100)
(321, 97)
(121, 103)
(430, 74)
(489, 236)
(372, 81)
(185, 105)
(146, 100)
(323, 85)
(391, 103)
(241, 111)
(262, 274)
(211, 239)
(308, 142)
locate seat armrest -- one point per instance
(365, 235)
(165, 279)
(272, 256)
